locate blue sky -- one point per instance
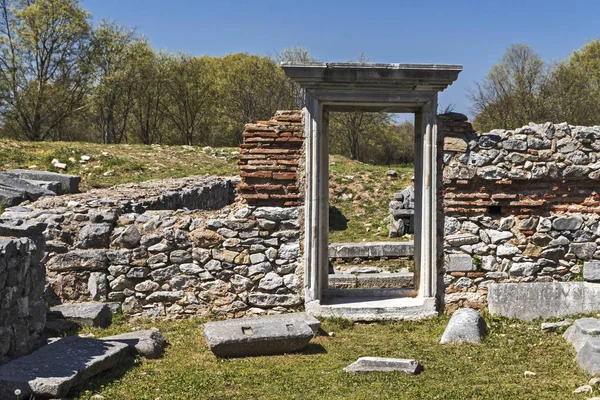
(472, 33)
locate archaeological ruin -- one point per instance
(507, 219)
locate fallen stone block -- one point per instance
(14, 190)
(85, 314)
(553, 326)
(380, 364)
(257, 336)
(70, 183)
(465, 326)
(581, 330)
(53, 370)
(588, 357)
(53, 186)
(149, 343)
(299, 317)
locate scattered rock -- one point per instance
(465, 326)
(149, 343)
(553, 326)
(85, 314)
(380, 364)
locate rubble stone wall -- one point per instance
(521, 205)
(22, 306)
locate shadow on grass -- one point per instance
(337, 220)
(96, 383)
(312, 348)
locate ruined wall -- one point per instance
(22, 306)
(521, 206)
(269, 159)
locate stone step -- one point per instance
(372, 281)
(84, 314)
(374, 308)
(53, 370)
(386, 292)
(372, 250)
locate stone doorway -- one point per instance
(396, 88)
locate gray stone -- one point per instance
(462, 239)
(588, 357)
(94, 236)
(164, 296)
(137, 272)
(190, 269)
(53, 370)
(528, 301)
(498, 236)
(459, 262)
(98, 286)
(85, 314)
(581, 330)
(276, 213)
(465, 326)
(524, 269)
(69, 183)
(515, 145)
(591, 271)
(163, 274)
(571, 223)
(451, 225)
(368, 250)
(180, 257)
(147, 286)
(256, 336)
(131, 305)
(130, 237)
(149, 343)
(554, 326)
(583, 251)
(266, 300)
(507, 249)
(381, 364)
(271, 281)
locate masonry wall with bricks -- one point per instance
(269, 158)
(520, 205)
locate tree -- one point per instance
(114, 57)
(572, 92)
(349, 132)
(509, 96)
(252, 88)
(44, 63)
(295, 54)
(149, 91)
(190, 90)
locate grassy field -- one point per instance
(493, 370)
(366, 188)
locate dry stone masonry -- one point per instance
(521, 206)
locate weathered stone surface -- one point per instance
(90, 260)
(591, 271)
(129, 238)
(272, 300)
(381, 364)
(94, 236)
(69, 183)
(553, 326)
(570, 223)
(461, 239)
(528, 301)
(85, 314)
(465, 326)
(276, 213)
(52, 370)
(149, 343)
(256, 336)
(98, 286)
(581, 330)
(583, 251)
(366, 250)
(459, 262)
(14, 191)
(588, 357)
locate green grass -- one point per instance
(493, 370)
(115, 164)
(371, 192)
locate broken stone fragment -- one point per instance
(380, 364)
(85, 314)
(149, 343)
(465, 326)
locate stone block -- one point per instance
(527, 301)
(256, 336)
(149, 343)
(588, 357)
(70, 183)
(380, 364)
(85, 314)
(581, 330)
(51, 371)
(459, 262)
(461, 239)
(465, 326)
(591, 271)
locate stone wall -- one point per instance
(269, 159)
(521, 206)
(22, 306)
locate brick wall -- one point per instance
(269, 158)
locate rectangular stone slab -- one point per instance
(54, 369)
(69, 182)
(527, 301)
(381, 364)
(85, 314)
(257, 336)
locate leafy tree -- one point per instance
(509, 96)
(295, 54)
(112, 99)
(44, 67)
(190, 95)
